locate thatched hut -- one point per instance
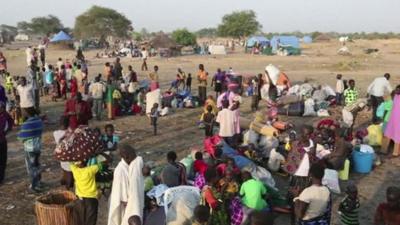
(165, 46)
(322, 38)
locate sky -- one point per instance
(275, 16)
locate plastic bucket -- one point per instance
(362, 162)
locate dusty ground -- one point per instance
(178, 132)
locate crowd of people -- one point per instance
(227, 182)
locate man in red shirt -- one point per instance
(78, 111)
(388, 213)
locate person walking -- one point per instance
(145, 54)
(376, 91)
(6, 123)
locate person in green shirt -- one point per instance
(253, 192)
(109, 97)
(387, 107)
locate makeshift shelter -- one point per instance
(61, 36)
(322, 38)
(307, 40)
(217, 50)
(290, 43)
(263, 41)
(166, 44)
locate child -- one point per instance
(110, 140)
(199, 165)
(148, 180)
(339, 89)
(201, 215)
(67, 179)
(208, 121)
(154, 114)
(9, 83)
(228, 185)
(86, 190)
(350, 94)
(255, 99)
(348, 208)
(189, 82)
(134, 220)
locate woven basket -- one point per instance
(55, 208)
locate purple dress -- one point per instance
(393, 126)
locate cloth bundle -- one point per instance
(81, 145)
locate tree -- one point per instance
(101, 22)
(239, 24)
(137, 36)
(41, 25)
(184, 37)
(207, 32)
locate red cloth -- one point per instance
(385, 215)
(73, 88)
(327, 123)
(79, 113)
(200, 166)
(221, 168)
(209, 197)
(136, 109)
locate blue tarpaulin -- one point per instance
(307, 39)
(257, 39)
(292, 41)
(61, 36)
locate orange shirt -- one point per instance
(202, 77)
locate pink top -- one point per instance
(393, 126)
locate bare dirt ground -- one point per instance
(178, 131)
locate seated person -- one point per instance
(199, 165)
(174, 173)
(228, 186)
(253, 192)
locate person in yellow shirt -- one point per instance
(86, 190)
(202, 78)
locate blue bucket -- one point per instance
(362, 162)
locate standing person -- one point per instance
(183, 77)
(25, 92)
(153, 76)
(135, 205)
(29, 55)
(218, 80)
(388, 213)
(31, 77)
(79, 77)
(110, 88)
(31, 136)
(145, 54)
(202, 79)
(350, 94)
(387, 106)
(339, 89)
(208, 120)
(78, 111)
(376, 91)
(154, 114)
(48, 79)
(255, 99)
(6, 124)
(392, 130)
(86, 208)
(118, 68)
(97, 90)
(120, 187)
(226, 119)
(313, 205)
(349, 206)
(189, 82)
(3, 64)
(42, 54)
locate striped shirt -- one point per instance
(348, 210)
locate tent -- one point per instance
(257, 39)
(217, 50)
(287, 41)
(307, 39)
(61, 36)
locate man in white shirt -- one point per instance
(376, 92)
(226, 119)
(97, 90)
(29, 55)
(339, 89)
(27, 103)
(145, 54)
